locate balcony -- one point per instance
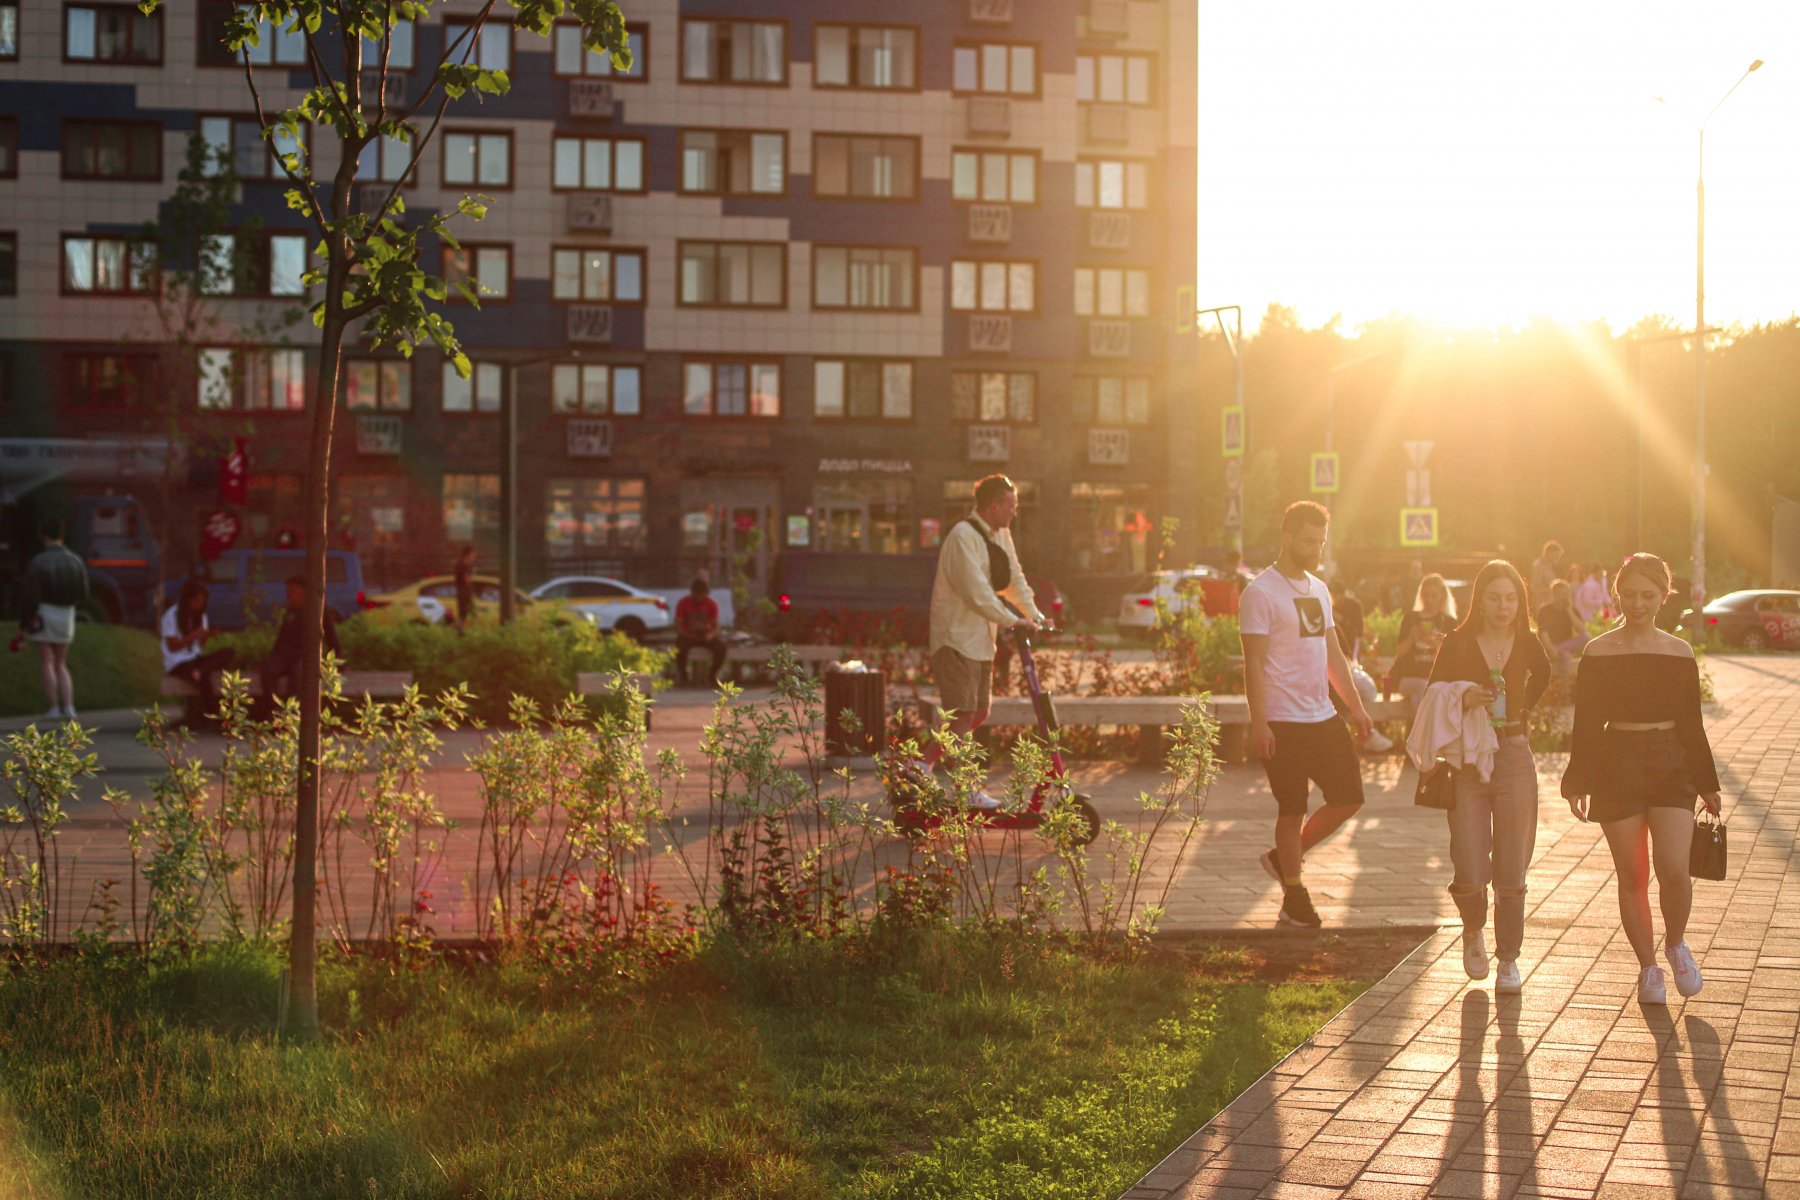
(377, 436)
(990, 223)
(990, 443)
(1109, 230)
(589, 212)
(990, 333)
(990, 12)
(989, 116)
(1109, 447)
(590, 439)
(1109, 339)
(590, 100)
(589, 325)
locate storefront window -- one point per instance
(472, 511)
(1110, 527)
(870, 515)
(593, 516)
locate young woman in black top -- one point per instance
(1421, 632)
(1493, 828)
(1639, 757)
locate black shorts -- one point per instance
(1644, 769)
(1309, 753)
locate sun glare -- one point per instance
(1480, 166)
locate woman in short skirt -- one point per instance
(1639, 757)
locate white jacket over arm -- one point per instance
(966, 612)
(1445, 729)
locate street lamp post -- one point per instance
(1700, 467)
(509, 470)
(1234, 340)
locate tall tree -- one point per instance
(366, 267)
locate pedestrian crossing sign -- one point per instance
(1324, 473)
(1418, 527)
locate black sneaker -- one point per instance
(1297, 909)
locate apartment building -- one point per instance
(794, 281)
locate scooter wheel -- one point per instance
(1090, 816)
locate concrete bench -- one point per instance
(753, 660)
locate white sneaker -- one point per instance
(1507, 982)
(1688, 980)
(1475, 956)
(54, 714)
(1650, 986)
(69, 713)
(1377, 742)
(983, 802)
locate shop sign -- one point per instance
(990, 443)
(1109, 447)
(990, 223)
(865, 466)
(1109, 339)
(378, 435)
(989, 332)
(590, 439)
(590, 325)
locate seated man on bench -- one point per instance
(697, 624)
(281, 670)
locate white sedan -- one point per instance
(609, 603)
(1137, 610)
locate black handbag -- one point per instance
(1437, 787)
(1706, 855)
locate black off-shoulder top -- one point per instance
(1638, 689)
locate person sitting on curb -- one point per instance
(281, 670)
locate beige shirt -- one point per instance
(965, 612)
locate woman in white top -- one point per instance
(184, 635)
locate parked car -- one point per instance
(721, 596)
(609, 603)
(1754, 620)
(251, 585)
(432, 600)
(830, 596)
(1211, 587)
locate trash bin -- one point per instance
(862, 694)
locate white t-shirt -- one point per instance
(1297, 619)
(171, 628)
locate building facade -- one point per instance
(792, 282)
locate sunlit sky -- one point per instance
(1482, 164)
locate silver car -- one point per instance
(609, 603)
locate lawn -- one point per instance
(949, 1066)
(113, 667)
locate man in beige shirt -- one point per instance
(978, 569)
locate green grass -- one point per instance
(953, 1067)
(113, 667)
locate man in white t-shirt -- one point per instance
(1291, 661)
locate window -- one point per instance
(733, 274)
(472, 508)
(875, 57)
(240, 139)
(1113, 78)
(9, 264)
(733, 162)
(864, 277)
(112, 150)
(110, 380)
(863, 389)
(402, 48)
(993, 176)
(597, 390)
(109, 33)
(490, 49)
(266, 264)
(1110, 183)
(591, 273)
(274, 46)
(385, 160)
(483, 159)
(731, 389)
(993, 397)
(480, 392)
(598, 164)
(1112, 292)
(9, 30)
(718, 51)
(486, 269)
(272, 380)
(996, 68)
(993, 286)
(588, 516)
(107, 266)
(9, 147)
(867, 168)
(572, 58)
(378, 384)
(1112, 400)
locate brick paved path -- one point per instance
(1428, 1085)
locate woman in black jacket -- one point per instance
(1638, 759)
(1493, 827)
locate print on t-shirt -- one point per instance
(1311, 615)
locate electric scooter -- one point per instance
(1056, 787)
